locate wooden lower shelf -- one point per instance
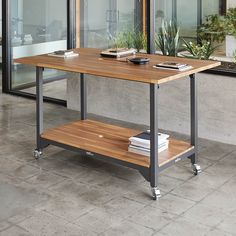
(109, 140)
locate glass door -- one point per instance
(35, 27)
(104, 19)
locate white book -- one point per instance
(178, 69)
(146, 153)
(148, 149)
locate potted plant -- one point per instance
(230, 27)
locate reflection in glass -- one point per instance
(37, 27)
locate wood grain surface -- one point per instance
(110, 141)
(90, 62)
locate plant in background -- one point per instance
(130, 39)
(213, 29)
(140, 41)
(202, 50)
(230, 22)
(167, 39)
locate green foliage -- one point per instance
(230, 21)
(213, 29)
(131, 39)
(167, 39)
(140, 41)
(201, 51)
(217, 27)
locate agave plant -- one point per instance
(167, 39)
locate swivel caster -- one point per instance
(37, 154)
(156, 193)
(196, 169)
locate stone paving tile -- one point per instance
(194, 192)
(4, 225)
(202, 214)
(66, 208)
(16, 231)
(152, 217)
(207, 179)
(17, 169)
(122, 207)
(179, 172)
(228, 224)
(129, 229)
(173, 204)
(218, 232)
(220, 199)
(70, 188)
(185, 227)
(215, 151)
(98, 220)
(23, 215)
(43, 223)
(18, 198)
(45, 179)
(167, 183)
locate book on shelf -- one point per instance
(143, 139)
(168, 65)
(63, 54)
(140, 143)
(118, 52)
(146, 151)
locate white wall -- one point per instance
(231, 3)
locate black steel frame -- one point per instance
(150, 174)
(7, 50)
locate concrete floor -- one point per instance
(64, 194)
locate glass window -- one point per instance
(201, 21)
(104, 19)
(37, 27)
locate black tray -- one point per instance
(139, 60)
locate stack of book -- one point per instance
(173, 66)
(140, 144)
(64, 54)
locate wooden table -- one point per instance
(109, 142)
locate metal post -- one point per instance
(39, 105)
(154, 167)
(194, 116)
(151, 26)
(83, 97)
(71, 24)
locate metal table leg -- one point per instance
(194, 123)
(154, 167)
(39, 111)
(83, 97)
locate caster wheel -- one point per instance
(196, 169)
(155, 193)
(37, 154)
